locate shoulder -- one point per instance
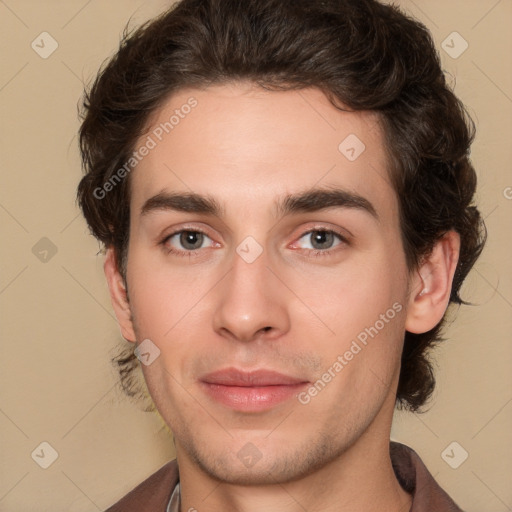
(153, 494)
(415, 478)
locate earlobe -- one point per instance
(118, 296)
(431, 287)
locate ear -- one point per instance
(118, 296)
(431, 285)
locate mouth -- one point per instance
(253, 391)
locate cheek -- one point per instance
(360, 361)
(355, 295)
(363, 305)
(161, 298)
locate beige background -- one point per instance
(58, 330)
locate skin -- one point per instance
(291, 310)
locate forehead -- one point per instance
(246, 145)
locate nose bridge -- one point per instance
(250, 299)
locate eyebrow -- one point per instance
(303, 202)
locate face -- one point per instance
(265, 265)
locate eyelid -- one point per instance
(167, 233)
(341, 234)
(343, 241)
(344, 234)
(164, 239)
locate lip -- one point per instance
(253, 391)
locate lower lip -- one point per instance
(252, 399)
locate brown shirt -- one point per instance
(153, 494)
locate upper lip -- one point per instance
(235, 377)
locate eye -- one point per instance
(320, 240)
(186, 241)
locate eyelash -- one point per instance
(328, 252)
(315, 252)
(171, 250)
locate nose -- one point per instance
(250, 302)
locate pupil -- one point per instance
(321, 238)
(192, 238)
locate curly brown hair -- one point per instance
(360, 53)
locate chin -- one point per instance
(249, 465)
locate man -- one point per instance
(284, 193)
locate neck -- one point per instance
(361, 479)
